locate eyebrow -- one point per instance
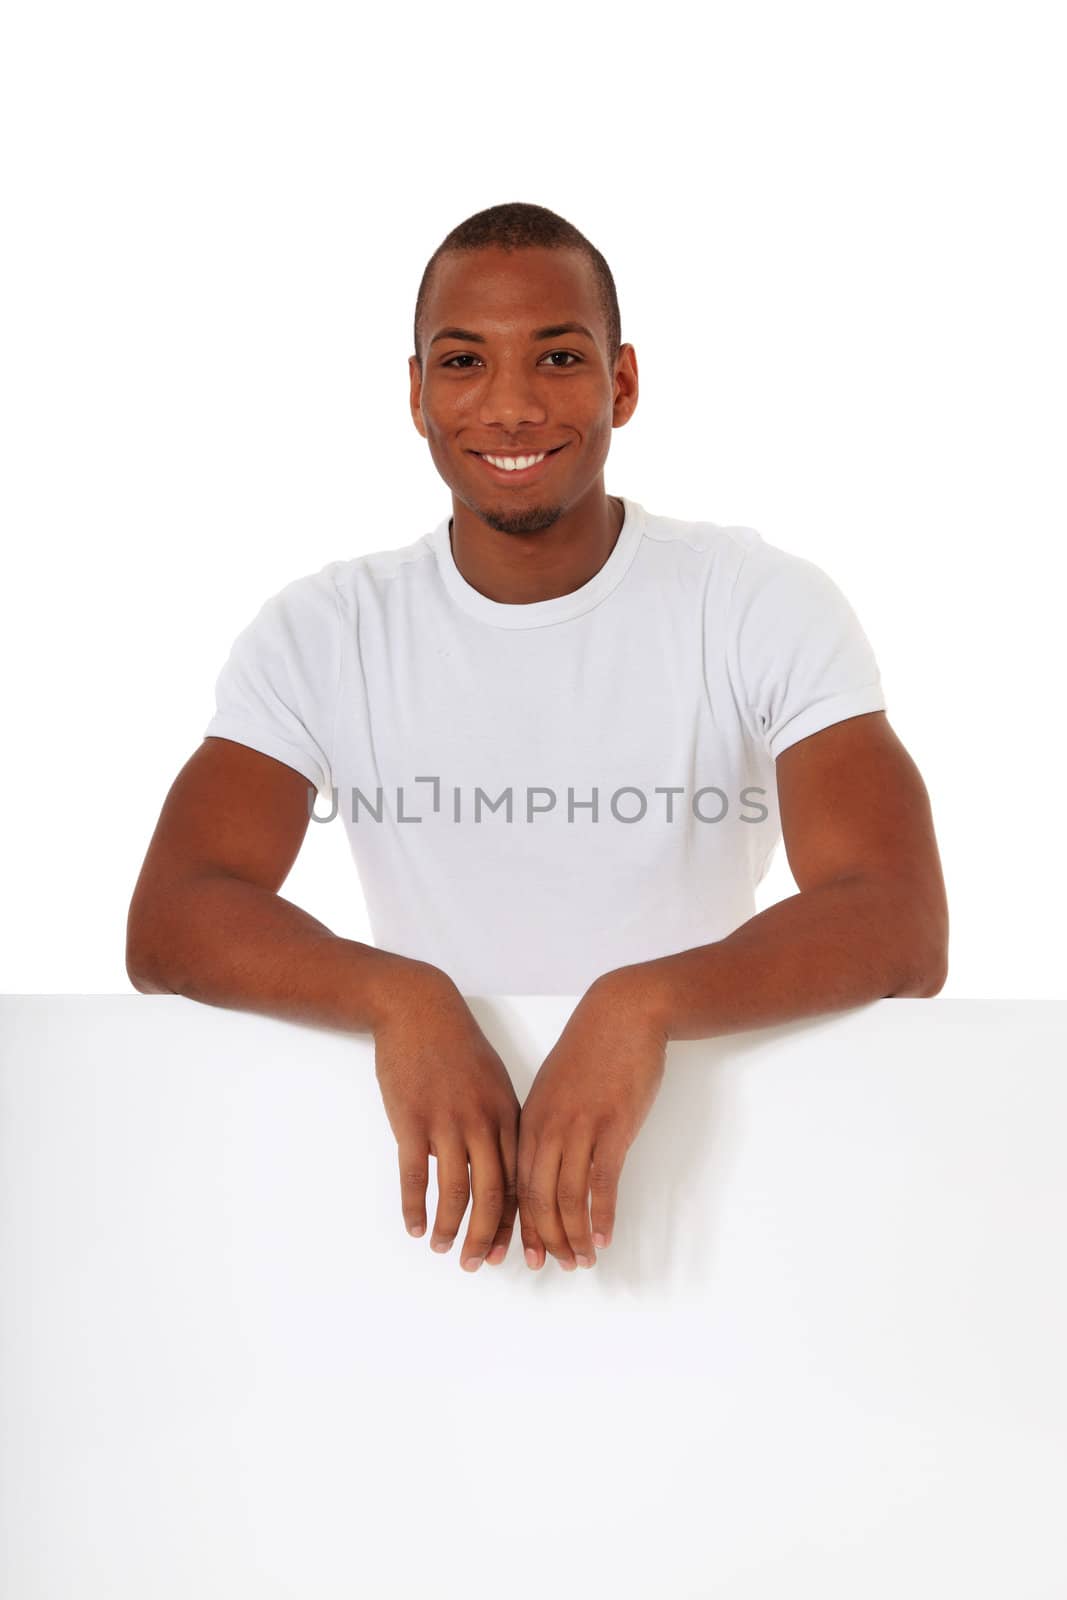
(553, 332)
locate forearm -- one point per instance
(839, 945)
(227, 942)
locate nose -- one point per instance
(510, 398)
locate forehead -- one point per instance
(494, 284)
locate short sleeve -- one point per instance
(800, 657)
(277, 692)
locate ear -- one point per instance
(416, 395)
(626, 386)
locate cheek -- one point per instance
(443, 421)
(599, 431)
(438, 429)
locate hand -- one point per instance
(448, 1094)
(585, 1108)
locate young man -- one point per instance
(565, 735)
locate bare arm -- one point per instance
(206, 919)
(870, 921)
(871, 918)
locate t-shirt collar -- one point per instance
(539, 613)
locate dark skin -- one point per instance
(207, 919)
(870, 921)
(507, 392)
(871, 918)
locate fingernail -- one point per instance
(417, 1230)
(531, 1258)
(584, 1261)
(441, 1245)
(600, 1241)
(497, 1254)
(472, 1263)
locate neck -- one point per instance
(521, 568)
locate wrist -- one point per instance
(402, 984)
(637, 992)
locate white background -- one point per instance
(837, 237)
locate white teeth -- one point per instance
(515, 463)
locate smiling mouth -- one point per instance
(534, 466)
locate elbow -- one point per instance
(136, 964)
(163, 929)
(139, 973)
(935, 973)
(918, 927)
(142, 982)
(141, 968)
(922, 971)
(917, 980)
(934, 979)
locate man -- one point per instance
(564, 735)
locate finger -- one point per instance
(453, 1189)
(414, 1158)
(532, 1243)
(573, 1194)
(608, 1157)
(509, 1151)
(487, 1186)
(543, 1202)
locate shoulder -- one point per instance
(376, 570)
(730, 564)
(724, 547)
(759, 598)
(335, 590)
(298, 622)
(701, 536)
(778, 584)
(310, 593)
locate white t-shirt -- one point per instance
(536, 794)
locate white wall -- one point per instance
(837, 238)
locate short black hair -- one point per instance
(517, 226)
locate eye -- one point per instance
(467, 357)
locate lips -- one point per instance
(519, 474)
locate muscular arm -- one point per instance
(206, 919)
(870, 920)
